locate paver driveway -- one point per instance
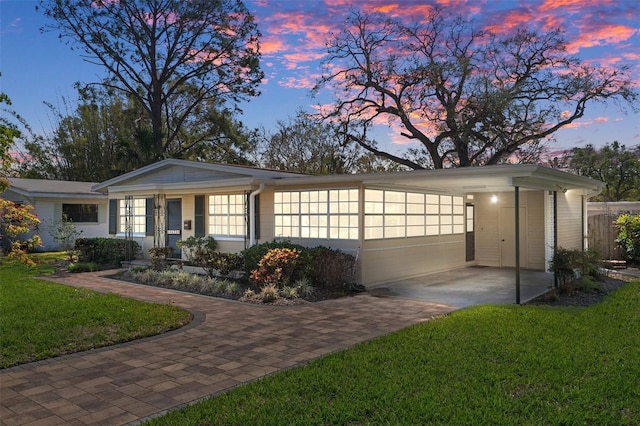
(227, 344)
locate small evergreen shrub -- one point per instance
(565, 265)
(225, 263)
(160, 257)
(200, 251)
(84, 267)
(332, 270)
(106, 251)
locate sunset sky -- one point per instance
(37, 67)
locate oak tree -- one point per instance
(465, 95)
(170, 56)
(614, 164)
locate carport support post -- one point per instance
(517, 222)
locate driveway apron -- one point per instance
(228, 343)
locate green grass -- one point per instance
(525, 365)
(40, 319)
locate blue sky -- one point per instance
(37, 67)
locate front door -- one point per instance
(508, 237)
(470, 233)
(174, 225)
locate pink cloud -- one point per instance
(601, 35)
(586, 123)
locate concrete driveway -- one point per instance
(469, 286)
(229, 343)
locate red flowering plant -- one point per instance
(276, 267)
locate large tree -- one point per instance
(614, 164)
(306, 145)
(103, 137)
(465, 95)
(170, 56)
(9, 133)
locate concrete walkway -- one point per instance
(228, 343)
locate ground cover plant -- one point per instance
(276, 272)
(40, 319)
(489, 364)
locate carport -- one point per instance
(470, 286)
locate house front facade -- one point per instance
(397, 224)
(55, 199)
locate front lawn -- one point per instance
(40, 319)
(525, 365)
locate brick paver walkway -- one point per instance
(228, 343)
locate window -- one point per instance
(80, 212)
(395, 214)
(323, 214)
(133, 213)
(227, 216)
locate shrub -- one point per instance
(563, 265)
(224, 263)
(276, 267)
(566, 262)
(269, 293)
(289, 292)
(84, 267)
(332, 269)
(160, 257)
(106, 251)
(254, 254)
(304, 288)
(200, 251)
(65, 234)
(629, 236)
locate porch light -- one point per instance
(494, 199)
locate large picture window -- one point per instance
(227, 216)
(396, 214)
(77, 213)
(321, 214)
(135, 211)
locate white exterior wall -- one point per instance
(393, 259)
(570, 221)
(488, 228)
(49, 210)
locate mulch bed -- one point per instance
(610, 283)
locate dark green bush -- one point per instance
(200, 251)
(160, 257)
(629, 236)
(332, 270)
(108, 251)
(224, 263)
(566, 263)
(327, 269)
(84, 267)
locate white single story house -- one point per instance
(54, 198)
(398, 224)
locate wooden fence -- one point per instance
(602, 236)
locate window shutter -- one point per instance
(199, 216)
(149, 218)
(257, 216)
(113, 216)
